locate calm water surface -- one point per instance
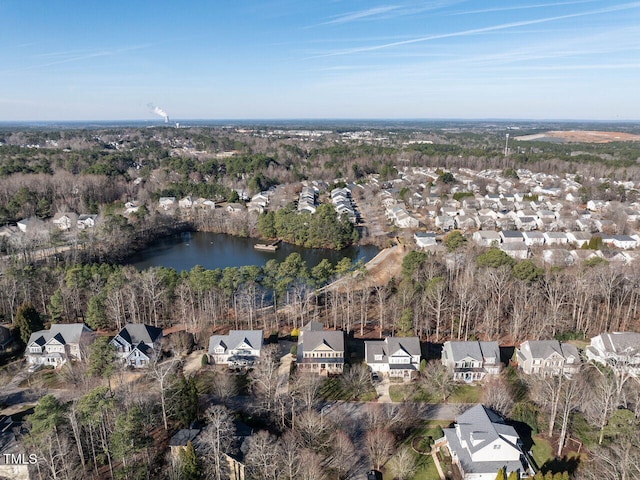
(217, 250)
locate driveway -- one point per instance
(382, 389)
(283, 374)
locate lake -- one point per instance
(218, 250)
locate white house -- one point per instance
(486, 238)
(425, 239)
(578, 238)
(471, 361)
(547, 357)
(619, 350)
(555, 238)
(511, 236)
(65, 220)
(238, 348)
(481, 444)
(137, 344)
(62, 342)
(166, 202)
(518, 251)
(395, 356)
(186, 202)
(86, 221)
(533, 238)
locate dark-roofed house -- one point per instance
(137, 344)
(320, 351)
(471, 361)
(240, 348)
(397, 356)
(481, 444)
(619, 350)
(547, 357)
(62, 342)
(180, 440)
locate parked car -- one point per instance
(375, 377)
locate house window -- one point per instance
(496, 447)
(378, 358)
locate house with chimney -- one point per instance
(137, 344)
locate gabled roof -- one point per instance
(478, 351)
(134, 333)
(65, 333)
(543, 349)
(621, 342)
(236, 339)
(332, 339)
(391, 347)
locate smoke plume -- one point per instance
(160, 112)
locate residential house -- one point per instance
(578, 238)
(186, 202)
(425, 239)
(179, 441)
(395, 356)
(526, 224)
(511, 236)
(480, 444)
(557, 257)
(624, 242)
(533, 238)
(86, 221)
(234, 208)
(471, 361)
(62, 342)
(167, 202)
(130, 207)
(445, 223)
(320, 351)
(555, 238)
(619, 350)
(137, 344)
(307, 200)
(518, 251)
(547, 357)
(240, 348)
(65, 220)
(486, 238)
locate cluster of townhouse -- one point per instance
(536, 213)
(62, 221)
(341, 200)
(307, 200)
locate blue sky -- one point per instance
(270, 59)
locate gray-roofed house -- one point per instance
(471, 361)
(320, 351)
(396, 356)
(481, 444)
(240, 348)
(619, 350)
(137, 344)
(62, 342)
(547, 357)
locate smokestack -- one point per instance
(159, 111)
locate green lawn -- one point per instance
(466, 394)
(426, 469)
(541, 450)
